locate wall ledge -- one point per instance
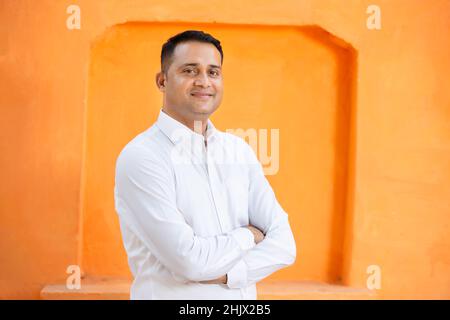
(109, 288)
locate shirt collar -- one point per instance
(177, 132)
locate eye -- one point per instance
(215, 73)
(188, 71)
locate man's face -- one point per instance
(193, 87)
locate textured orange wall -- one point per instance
(391, 134)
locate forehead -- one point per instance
(196, 52)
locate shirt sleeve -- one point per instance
(145, 200)
(278, 249)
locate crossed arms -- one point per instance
(258, 236)
(146, 202)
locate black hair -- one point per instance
(189, 35)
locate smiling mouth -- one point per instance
(202, 96)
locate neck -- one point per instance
(199, 126)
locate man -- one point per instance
(198, 218)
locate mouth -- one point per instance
(202, 96)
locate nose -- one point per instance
(202, 80)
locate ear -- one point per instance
(160, 81)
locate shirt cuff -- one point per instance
(244, 237)
(237, 276)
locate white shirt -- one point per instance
(183, 208)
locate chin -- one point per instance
(203, 109)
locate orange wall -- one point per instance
(372, 184)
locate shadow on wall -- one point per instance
(298, 80)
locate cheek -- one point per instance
(219, 88)
(180, 82)
(219, 94)
(181, 89)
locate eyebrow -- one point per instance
(196, 64)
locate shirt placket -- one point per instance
(216, 190)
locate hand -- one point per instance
(221, 280)
(259, 236)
